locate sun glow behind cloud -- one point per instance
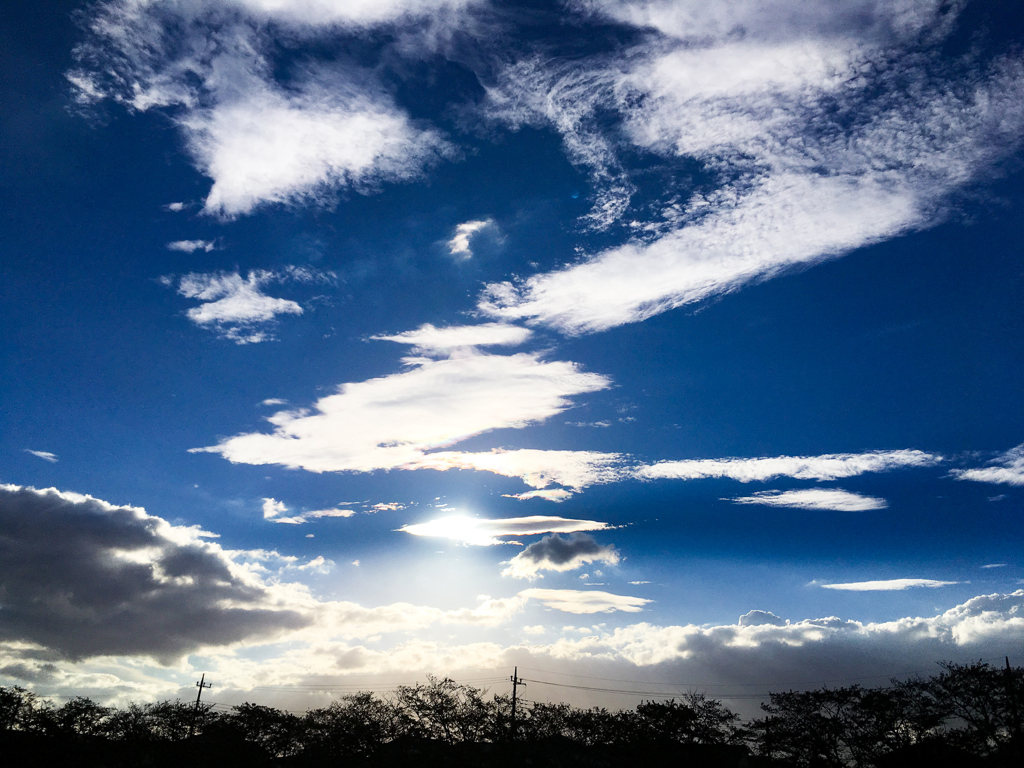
(484, 533)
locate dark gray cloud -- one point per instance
(553, 553)
(85, 578)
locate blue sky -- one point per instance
(345, 343)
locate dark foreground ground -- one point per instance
(30, 749)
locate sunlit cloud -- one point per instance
(796, 184)
(458, 246)
(815, 498)
(889, 585)
(585, 602)
(399, 421)
(556, 495)
(261, 135)
(825, 467)
(482, 532)
(1007, 469)
(427, 338)
(191, 246)
(236, 307)
(44, 455)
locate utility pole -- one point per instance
(195, 711)
(516, 681)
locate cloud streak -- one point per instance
(889, 585)
(825, 467)
(485, 533)
(815, 498)
(1007, 469)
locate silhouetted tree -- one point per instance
(694, 720)
(82, 716)
(444, 710)
(277, 732)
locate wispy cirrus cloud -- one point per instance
(888, 585)
(44, 455)
(191, 246)
(825, 467)
(1006, 469)
(263, 137)
(553, 553)
(825, 133)
(482, 532)
(235, 307)
(815, 498)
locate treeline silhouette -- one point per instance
(962, 716)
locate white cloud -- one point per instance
(585, 602)
(994, 565)
(273, 508)
(388, 506)
(175, 207)
(1008, 469)
(428, 339)
(536, 629)
(459, 244)
(760, 618)
(553, 553)
(483, 533)
(796, 184)
(329, 513)
(815, 498)
(319, 13)
(825, 467)
(537, 468)
(556, 495)
(394, 421)
(888, 585)
(45, 455)
(274, 401)
(236, 307)
(261, 140)
(190, 246)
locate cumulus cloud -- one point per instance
(399, 421)
(261, 136)
(889, 585)
(825, 467)
(427, 339)
(190, 246)
(458, 246)
(236, 307)
(815, 498)
(1007, 469)
(44, 455)
(826, 132)
(585, 602)
(553, 553)
(83, 578)
(484, 533)
(757, 618)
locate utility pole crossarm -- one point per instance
(195, 710)
(516, 681)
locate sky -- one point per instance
(676, 344)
